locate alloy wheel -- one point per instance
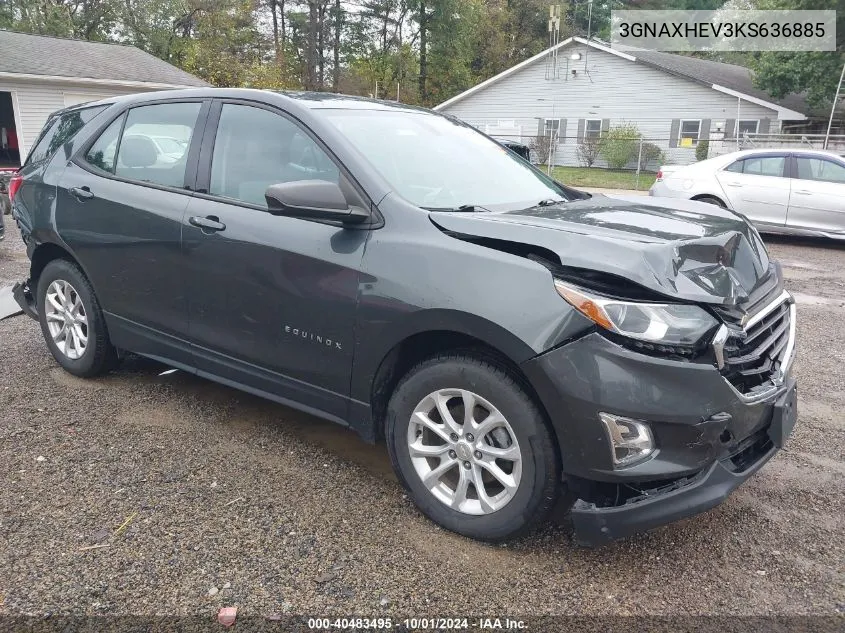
(464, 451)
(67, 320)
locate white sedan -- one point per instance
(780, 191)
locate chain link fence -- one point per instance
(640, 157)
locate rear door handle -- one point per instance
(209, 224)
(804, 192)
(734, 184)
(81, 193)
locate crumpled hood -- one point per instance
(682, 249)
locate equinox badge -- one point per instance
(311, 336)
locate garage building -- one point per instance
(40, 74)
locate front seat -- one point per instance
(135, 156)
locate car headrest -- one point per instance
(138, 151)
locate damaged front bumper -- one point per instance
(708, 440)
(687, 496)
(23, 297)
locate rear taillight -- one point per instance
(659, 175)
(14, 185)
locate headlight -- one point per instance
(662, 323)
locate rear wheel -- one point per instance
(72, 321)
(712, 200)
(472, 448)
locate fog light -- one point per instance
(630, 440)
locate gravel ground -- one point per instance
(232, 500)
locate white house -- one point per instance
(579, 89)
(39, 75)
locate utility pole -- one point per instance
(833, 107)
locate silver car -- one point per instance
(800, 192)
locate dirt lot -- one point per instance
(232, 500)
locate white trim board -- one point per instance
(121, 83)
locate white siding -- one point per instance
(35, 101)
(604, 86)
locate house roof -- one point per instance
(728, 78)
(39, 56)
(731, 76)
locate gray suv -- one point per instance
(400, 273)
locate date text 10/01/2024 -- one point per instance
(500, 624)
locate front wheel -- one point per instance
(472, 448)
(72, 321)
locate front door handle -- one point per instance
(81, 193)
(210, 223)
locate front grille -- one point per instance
(753, 356)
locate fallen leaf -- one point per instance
(226, 616)
(326, 577)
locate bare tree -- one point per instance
(338, 21)
(588, 151)
(311, 47)
(541, 145)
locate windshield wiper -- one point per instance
(464, 208)
(548, 202)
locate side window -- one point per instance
(764, 166)
(255, 148)
(735, 167)
(101, 153)
(592, 128)
(60, 130)
(820, 169)
(154, 145)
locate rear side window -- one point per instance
(58, 131)
(761, 166)
(255, 148)
(102, 152)
(820, 169)
(148, 144)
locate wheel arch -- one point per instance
(44, 253)
(422, 345)
(701, 197)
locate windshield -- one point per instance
(437, 163)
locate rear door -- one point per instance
(758, 187)
(817, 202)
(119, 207)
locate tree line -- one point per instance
(414, 51)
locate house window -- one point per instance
(747, 126)
(690, 131)
(551, 127)
(592, 129)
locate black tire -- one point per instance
(99, 355)
(712, 200)
(536, 494)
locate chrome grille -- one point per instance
(755, 358)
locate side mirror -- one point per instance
(312, 199)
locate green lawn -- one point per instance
(606, 178)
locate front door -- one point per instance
(757, 187)
(272, 299)
(817, 202)
(120, 210)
